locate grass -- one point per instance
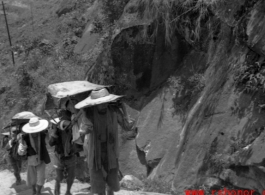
(188, 17)
(44, 56)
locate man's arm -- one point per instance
(9, 144)
(123, 119)
(22, 149)
(53, 139)
(86, 126)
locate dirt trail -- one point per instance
(8, 187)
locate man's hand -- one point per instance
(22, 147)
(11, 142)
(54, 135)
(129, 125)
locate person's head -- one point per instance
(98, 99)
(102, 107)
(14, 130)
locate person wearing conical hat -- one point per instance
(102, 139)
(34, 147)
(74, 122)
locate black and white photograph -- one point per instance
(132, 97)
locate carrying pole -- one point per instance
(9, 37)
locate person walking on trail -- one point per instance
(33, 145)
(102, 139)
(64, 155)
(10, 147)
(76, 122)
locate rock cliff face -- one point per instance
(196, 124)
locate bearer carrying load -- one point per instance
(15, 137)
(65, 134)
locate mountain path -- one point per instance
(8, 187)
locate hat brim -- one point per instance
(23, 115)
(88, 102)
(9, 125)
(6, 134)
(55, 121)
(42, 126)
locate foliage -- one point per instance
(188, 17)
(251, 76)
(113, 9)
(98, 26)
(198, 82)
(175, 82)
(36, 45)
(72, 24)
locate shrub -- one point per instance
(113, 9)
(251, 76)
(188, 17)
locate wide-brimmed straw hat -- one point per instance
(35, 125)
(97, 97)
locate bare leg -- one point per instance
(59, 178)
(38, 187)
(109, 191)
(34, 190)
(70, 179)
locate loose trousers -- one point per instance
(36, 174)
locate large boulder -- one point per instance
(245, 177)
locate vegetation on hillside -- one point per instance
(250, 75)
(188, 17)
(42, 58)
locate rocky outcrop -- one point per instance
(196, 127)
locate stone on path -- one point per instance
(131, 183)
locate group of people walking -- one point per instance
(90, 125)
